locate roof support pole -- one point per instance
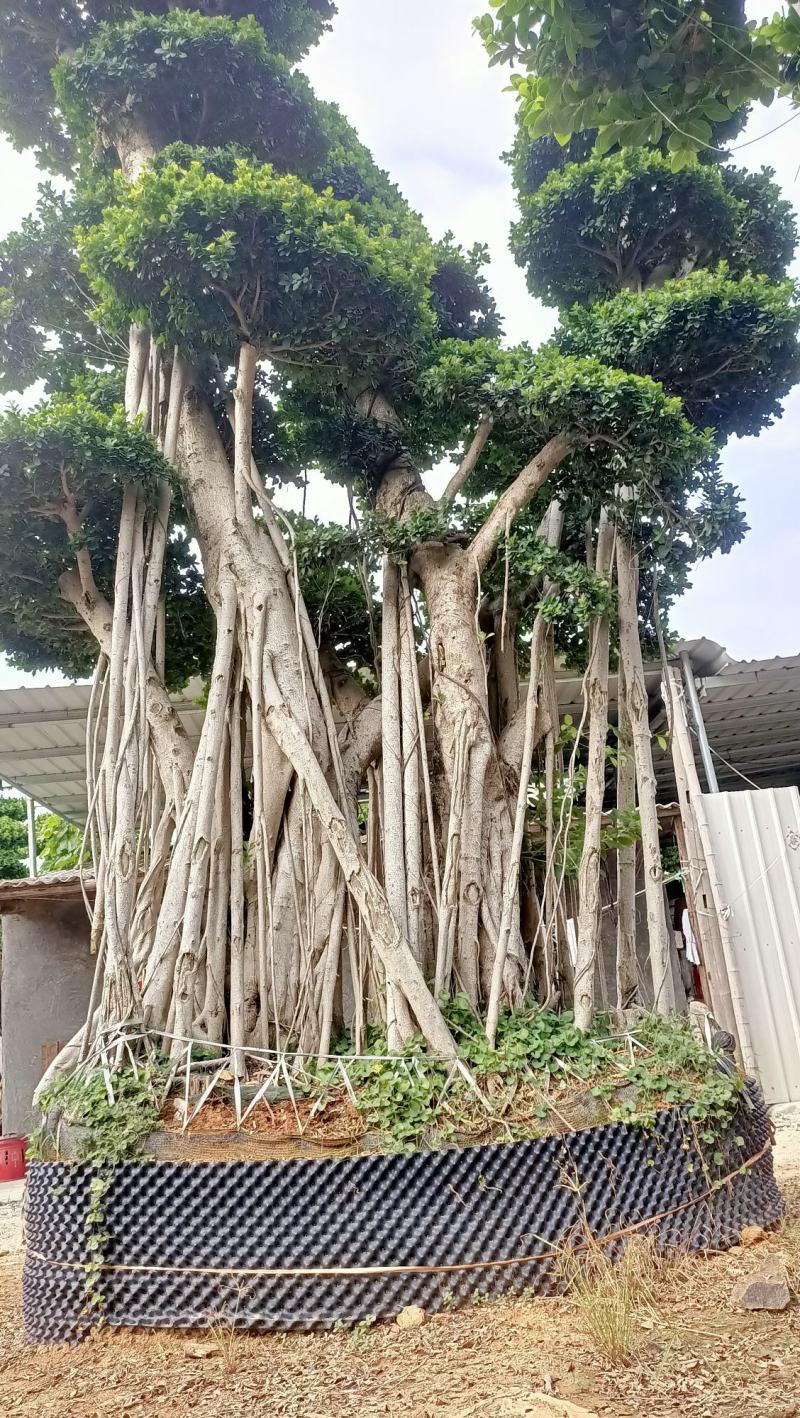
(699, 724)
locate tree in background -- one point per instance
(13, 838)
(58, 843)
(241, 297)
(647, 72)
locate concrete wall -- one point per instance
(47, 973)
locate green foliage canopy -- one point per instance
(69, 450)
(13, 838)
(34, 36)
(729, 349)
(224, 86)
(263, 258)
(641, 71)
(315, 258)
(629, 221)
(625, 426)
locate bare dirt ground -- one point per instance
(11, 1194)
(697, 1357)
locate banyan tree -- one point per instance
(229, 297)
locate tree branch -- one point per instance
(518, 495)
(171, 745)
(70, 516)
(469, 462)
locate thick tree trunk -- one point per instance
(274, 622)
(401, 968)
(461, 714)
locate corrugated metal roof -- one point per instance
(751, 711)
(43, 741)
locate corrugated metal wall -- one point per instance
(755, 842)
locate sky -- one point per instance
(414, 81)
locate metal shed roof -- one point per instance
(43, 741)
(751, 710)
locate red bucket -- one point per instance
(12, 1158)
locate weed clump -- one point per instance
(613, 1295)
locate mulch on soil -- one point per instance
(335, 1123)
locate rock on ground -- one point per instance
(766, 1288)
(410, 1318)
(752, 1235)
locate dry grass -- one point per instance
(614, 1295)
(230, 1341)
(700, 1360)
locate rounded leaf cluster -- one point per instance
(192, 79)
(630, 222)
(74, 437)
(69, 450)
(35, 34)
(262, 258)
(728, 348)
(625, 426)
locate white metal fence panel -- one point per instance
(755, 840)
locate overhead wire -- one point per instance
(712, 147)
